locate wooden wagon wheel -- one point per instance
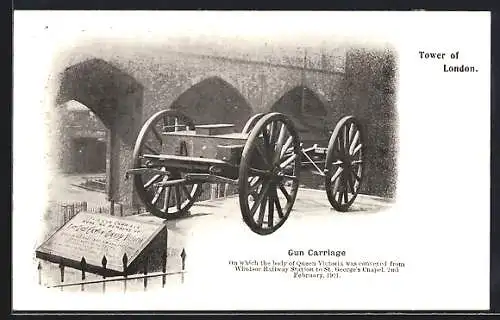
(269, 173)
(251, 122)
(344, 163)
(166, 202)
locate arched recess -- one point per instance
(82, 140)
(307, 111)
(116, 98)
(214, 100)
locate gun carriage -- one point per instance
(173, 157)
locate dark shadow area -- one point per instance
(91, 155)
(366, 209)
(212, 101)
(82, 137)
(306, 111)
(193, 215)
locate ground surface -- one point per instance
(216, 223)
(63, 188)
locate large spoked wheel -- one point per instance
(167, 202)
(269, 173)
(344, 163)
(251, 122)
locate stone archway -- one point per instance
(307, 111)
(115, 98)
(214, 100)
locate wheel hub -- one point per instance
(346, 162)
(276, 173)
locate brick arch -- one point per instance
(104, 89)
(208, 75)
(116, 98)
(213, 100)
(291, 86)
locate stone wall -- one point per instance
(370, 94)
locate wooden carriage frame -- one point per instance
(264, 160)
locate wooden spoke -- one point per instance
(253, 179)
(271, 132)
(346, 198)
(267, 145)
(349, 183)
(151, 181)
(340, 149)
(281, 137)
(178, 201)
(286, 161)
(346, 139)
(278, 205)
(263, 154)
(355, 176)
(357, 179)
(336, 184)
(356, 150)
(270, 216)
(279, 144)
(262, 212)
(261, 197)
(352, 182)
(256, 184)
(351, 131)
(337, 174)
(286, 146)
(285, 192)
(340, 197)
(166, 200)
(187, 192)
(353, 143)
(157, 194)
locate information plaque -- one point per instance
(94, 236)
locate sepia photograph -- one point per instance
(199, 160)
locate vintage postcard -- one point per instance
(251, 160)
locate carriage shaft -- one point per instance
(206, 177)
(195, 178)
(190, 165)
(187, 162)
